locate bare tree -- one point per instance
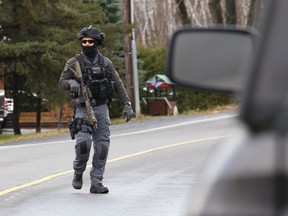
(156, 20)
(254, 13)
(216, 11)
(16, 111)
(231, 17)
(185, 19)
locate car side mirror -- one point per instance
(215, 58)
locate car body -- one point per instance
(248, 176)
(9, 104)
(2, 110)
(6, 109)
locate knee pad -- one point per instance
(104, 152)
(83, 148)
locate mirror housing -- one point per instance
(215, 58)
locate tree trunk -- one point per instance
(185, 19)
(16, 110)
(231, 17)
(59, 125)
(38, 114)
(216, 11)
(128, 50)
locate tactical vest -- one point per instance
(96, 77)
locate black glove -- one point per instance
(74, 86)
(128, 112)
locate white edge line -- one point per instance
(129, 133)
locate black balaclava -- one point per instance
(89, 50)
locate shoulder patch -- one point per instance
(71, 61)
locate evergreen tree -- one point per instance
(111, 9)
(36, 39)
(216, 11)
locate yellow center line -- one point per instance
(9, 190)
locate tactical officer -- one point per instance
(101, 78)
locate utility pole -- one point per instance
(131, 57)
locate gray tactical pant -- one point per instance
(101, 142)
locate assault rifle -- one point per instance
(90, 115)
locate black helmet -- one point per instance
(93, 33)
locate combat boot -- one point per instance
(77, 181)
(99, 188)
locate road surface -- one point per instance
(152, 168)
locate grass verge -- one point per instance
(11, 137)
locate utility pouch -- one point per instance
(72, 127)
(100, 89)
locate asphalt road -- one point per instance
(152, 168)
